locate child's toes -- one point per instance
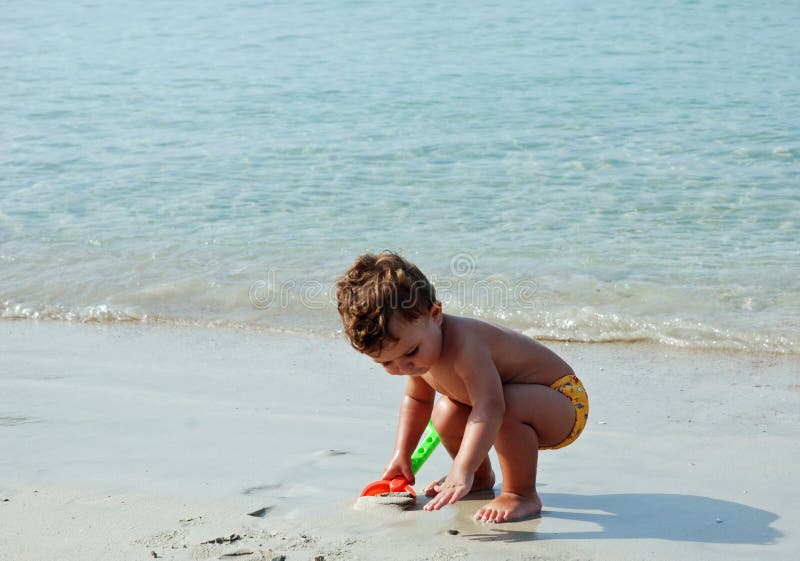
(484, 514)
(495, 515)
(503, 516)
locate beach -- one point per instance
(138, 442)
(182, 183)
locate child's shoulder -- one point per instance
(462, 326)
(515, 355)
(467, 335)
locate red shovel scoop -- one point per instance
(427, 444)
(396, 485)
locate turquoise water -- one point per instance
(580, 172)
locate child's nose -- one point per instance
(393, 369)
(407, 365)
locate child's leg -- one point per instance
(450, 418)
(536, 415)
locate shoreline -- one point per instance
(333, 332)
(123, 440)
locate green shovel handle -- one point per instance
(427, 444)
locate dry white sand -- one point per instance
(128, 442)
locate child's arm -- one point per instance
(485, 391)
(415, 411)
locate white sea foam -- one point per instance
(583, 326)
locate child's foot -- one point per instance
(509, 506)
(480, 483)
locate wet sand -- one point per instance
(134, 442)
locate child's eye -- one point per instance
(411, 352)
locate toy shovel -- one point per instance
(427, 444)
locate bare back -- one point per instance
(517, 358)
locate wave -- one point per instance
(673, 333)
(564, 326)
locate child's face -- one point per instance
(417, 347)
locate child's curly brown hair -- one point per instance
(372, 290)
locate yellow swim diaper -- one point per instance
(572, 387)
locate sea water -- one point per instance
(580, 171)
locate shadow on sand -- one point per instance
(671, 517)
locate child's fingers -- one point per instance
(432, 488)
(458, 494)
(391, 472)
(443, 498)
(432, 504)
(452, 496)
(436, 502)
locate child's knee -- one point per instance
(449, 416)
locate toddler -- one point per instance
(498, 387)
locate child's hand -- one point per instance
(455, 486)
(399, 466)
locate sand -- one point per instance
(141, 442)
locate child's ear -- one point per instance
(436, 312)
